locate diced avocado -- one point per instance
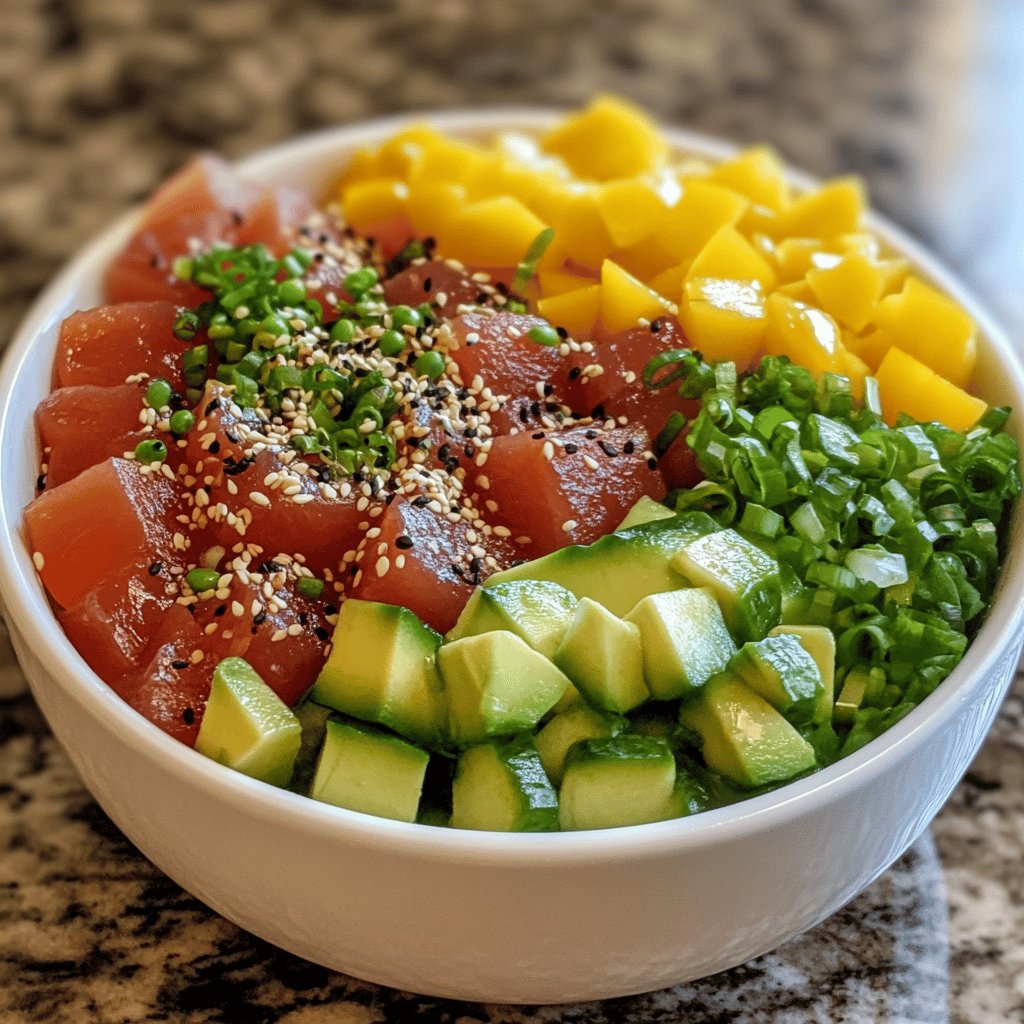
(742, 577)
(602, 656)
(626, 780)
(370, 771)
(313, 721)
(539, 611)
(685, 640)
(502, 787)
(567, 728)
(742, 736)
(780, 670)
(382, 669)
(621, 568)
(646, 510)
(246, 726)
(688, 797)
(497, 685)
(820, 644)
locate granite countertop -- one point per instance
(102, 98)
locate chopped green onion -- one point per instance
(528, 265)
(544, 334)
(311, 587)
(182, 422)
(359, 282)
(390, 343)
(151, 450)
(202, 580)
(405, 316)
(159, 393)
(429, 364)
(762, 521)
(187, 325)
(877, 565)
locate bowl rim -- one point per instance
(28, 611)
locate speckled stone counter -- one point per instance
(100, 98)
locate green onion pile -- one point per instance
(888, 535)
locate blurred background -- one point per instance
(99, 99)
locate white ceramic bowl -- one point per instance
(512, 918)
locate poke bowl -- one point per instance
(501, 916)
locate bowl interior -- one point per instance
(313, 161)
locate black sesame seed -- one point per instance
(231, 436)
(597, 412)
(629, 447)
(220, 610)
(303, 618)
(574, 373)
(570, 448)
(188, 716)
(549, 390)
(481, 298)
(270, 566)
(428, 284)
(608, 448)
(233, 468)
(214, 447)
(155, 568)
(539, 436)
(468, 451)
(524, 414)
(179, 663)
(652, 463)
(321, 633)
(330, 609)
(562, 332)
(404, 542)
(655, 326)
(259, 618)
(420, 502)
(210, 406)
(41, 482)
(590, 435)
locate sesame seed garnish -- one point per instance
(569, 525)
(38, 561)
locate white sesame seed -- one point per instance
(569, 525)
(303, 499)
(259, 498)
(38, 561)
(382, 566)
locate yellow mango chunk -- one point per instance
(609, 139)
(645, 260)
(907, 385)
(369, 203)
(894, 272)
(703, 209)
(362, 167)
(849, 291)
(799, 290)
(806, 335)
(728, 254)
(670, 282)
(445, 161)
(492, 232)
(499, 175)
(624, 299)
(576, 311)
(756, 173)
(432, 207)
(863, 243)
(556, 282)
(632, 208)
(724, 319)
(580, 234)
(397, 157)
(931, 327)
(834, 209)
(855, 368)
(793, 257)
(870, 347)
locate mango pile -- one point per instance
(748, 264)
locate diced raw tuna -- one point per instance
(113, 624)
(85, 424)
(579, 493)
(205, 201)
(274, 217)
(424, 282)
(105, 518)
(422, 561)
(496, 348)
(103, 346)
(322, 529)
(216, 438)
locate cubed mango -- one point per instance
(702, 210)
(624, 299)
(632, 208)
(724, 319)
(367, 204)
(805, 334)
(848, 291)
(834, 209)
(931, 327)
(728, 254)
(609, 139)
(557, 282)
(756, 173)
(576, 311)
(492, 232)
(907, 385)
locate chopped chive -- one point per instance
(202, 580)
(429, 364)
(159, 393)
(405, 316)
(151, 450)
(544, 334)
(390, 343)
(311, 587)
(182, 422)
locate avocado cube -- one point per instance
(780, 670)
(603, 657)
(646, 510)
(566, 728)
(620, 568)
(742, 736)
(820, 643)
(539, 611)
(608, 783)
(369, 771)
(685, 641)
(502, 787)
(382, 669)
(497, 685)
(246, 726)
(742, 577)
